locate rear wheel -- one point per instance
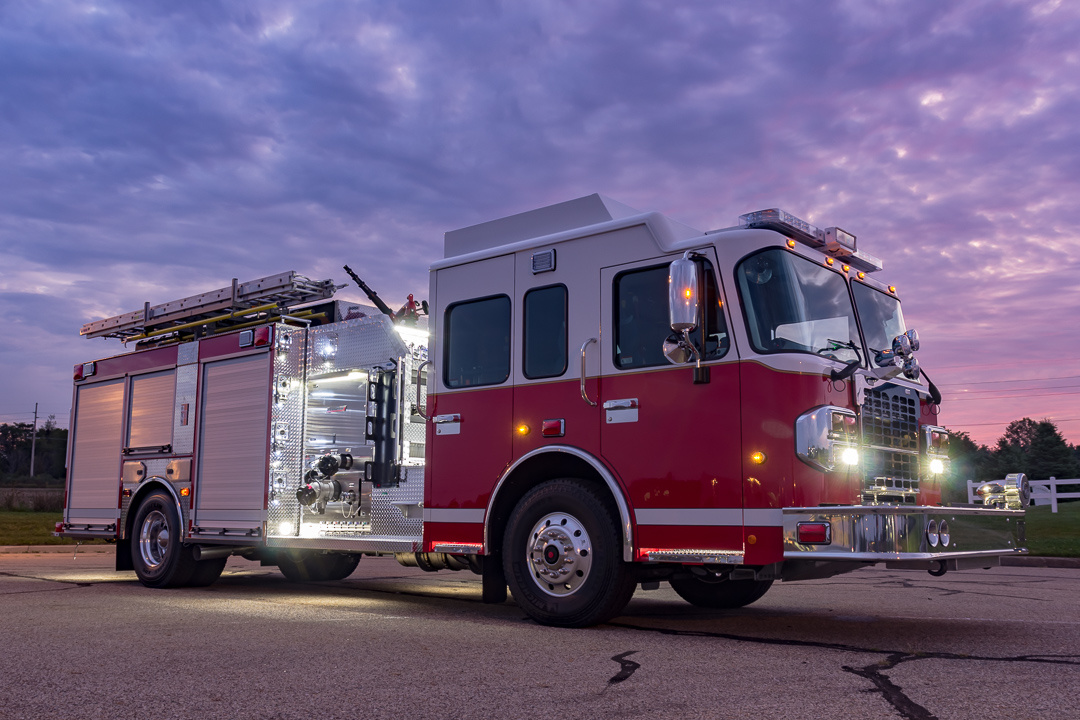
(316, 566)
(724, 594)
(207, 572)
(158, 554)
(562, 556)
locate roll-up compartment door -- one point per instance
(233, 443)
(94, 489)
(151, 425)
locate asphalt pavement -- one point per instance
(83, 641)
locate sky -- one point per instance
(153, 150)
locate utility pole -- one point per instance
(33, 442)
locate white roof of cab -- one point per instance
(582, 212)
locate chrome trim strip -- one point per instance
(710, 557)
(904, 510)
(609, 479)
(886, 557)
(454, 515)
(456, 549)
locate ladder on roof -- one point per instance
(223, 308)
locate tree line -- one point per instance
(1035, 448)
(49, 451)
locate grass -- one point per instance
(1054, 534)
(1048, 534)
(24, 527)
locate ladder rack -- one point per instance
(221, 308)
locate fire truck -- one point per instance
(596, 399)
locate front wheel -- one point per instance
(726, 594)
(562, 556)
(158, 555)
(316, 566)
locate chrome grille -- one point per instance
(890, 436)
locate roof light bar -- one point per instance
(832, 241)
(786, 223)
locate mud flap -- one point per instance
(493, 580)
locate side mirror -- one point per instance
(683, 295)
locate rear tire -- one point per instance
(207, 572)
(315, 566)
(727, 594)
(563, 557)
(158, 554)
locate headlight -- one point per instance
(937, 466)
(826, 437)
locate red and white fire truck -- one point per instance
(603, 398)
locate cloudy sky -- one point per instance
(152, 150)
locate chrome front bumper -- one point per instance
(897, 535)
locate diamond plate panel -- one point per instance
(287, 420)
(183, 434)
(339, 357)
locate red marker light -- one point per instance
(814, 533)
(262, 336)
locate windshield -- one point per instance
(792, 303)
(881, 317)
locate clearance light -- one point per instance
(862, 275)
(523, 430)
(937, 466)
(892, 289)
(84, 370)
(845, 268)
(791, 244)
(184, 492)
(829, 261)
(814, 533)
(758, 458)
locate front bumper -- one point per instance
(897, 535)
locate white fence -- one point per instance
(1043, 492)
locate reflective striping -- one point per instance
(454, 515)
(722, 517)
(763, 517)
(716, 517)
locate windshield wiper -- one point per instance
(851, 367)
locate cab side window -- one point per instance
(545, 326)
(477, 342)
(642, 323)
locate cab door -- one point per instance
(674, 444)
(470, 430)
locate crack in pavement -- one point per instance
(893, 694)
(68, 584)
(626, 667)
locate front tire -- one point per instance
(158, 553)
(726, 595)
(562, 556)
(316, 566)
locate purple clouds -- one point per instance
(152, 150)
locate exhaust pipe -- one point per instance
(210, 552)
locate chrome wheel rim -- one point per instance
(559, 554)
(154, 539)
